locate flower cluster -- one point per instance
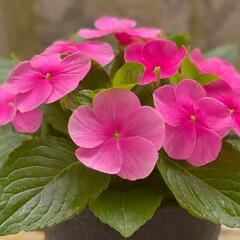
(116, 134)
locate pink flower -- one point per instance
(223, 92)
(123, 29)
(99, 51)
(195, 124)
(46, 78)
(118, 135)
(161, 54)
(217, 66)
(27, 122)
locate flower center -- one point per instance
(231, 110)
(48, 76)
(193, 118)
(11, 104)
(63, 55)
(117, 135)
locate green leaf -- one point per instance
(181, 39)
(210, 192)
(126, 210)
(116, 63)
(234, 141)
(6, 65)
(9, 140)
(56, 117)
(145, 94)
(128, 75)
(228, 52)
(78, 98)
(97, 78)
(190, 71)
(43, 184)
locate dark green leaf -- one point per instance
(56, 117)
(228, 52)
(6, 65)
(117, 63)
(43, 184)
(9, 140)
(210, 192)
(97, 78)
(128, 75)
(126, 210)
(145, 94)
(78, 98)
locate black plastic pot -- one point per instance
(172, 223)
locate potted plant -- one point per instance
(143, 136)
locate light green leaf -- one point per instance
(181, 39)
(128, 75)
(9, 140)
(6, 65)
(43, 184)
(228, 52)
(211, 192)
(127, 210)
(190, 71)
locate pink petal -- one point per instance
(7, 114)
(112, 25)
(188, 93)
(148, 77)
(62, 47)
(104, 158)
(46, 63)
(139, 158)
(23, 78)
(125, 39)
(32, 99)
(180, 141)
(163, 53)
(165, 102)
(197, 59)
(74, 68)
(113, 107)
(215, 115)
(28, 122)
(144, 32)
(236, 122)
(146, 122)
(207, 147)
(7, 109)
(91, 33)
(133, 53)
(84, 128)
(221, 91)
(98, 51)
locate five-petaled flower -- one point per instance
(123, 29)
(160, 55)
(46, 78)
(224, 93)
(27, 122)
(195, 123)
(117, 135)
(217, 66)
